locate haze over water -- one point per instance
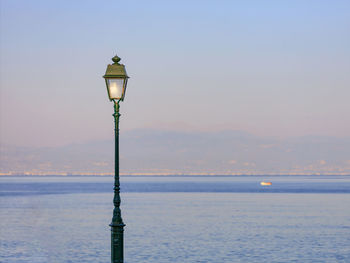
(177, 219)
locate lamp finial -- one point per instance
(116, 59)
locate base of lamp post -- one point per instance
(117, 242)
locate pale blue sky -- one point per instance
(272, 68)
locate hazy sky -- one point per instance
(277, 68)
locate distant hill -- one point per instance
(170, 152)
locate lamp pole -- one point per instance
(117, 225)
(116, 81)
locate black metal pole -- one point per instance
(117, 225)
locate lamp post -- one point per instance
(116, 81)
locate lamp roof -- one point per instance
(116, 70)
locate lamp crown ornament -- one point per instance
(116, 59)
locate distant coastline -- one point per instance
(168, 175)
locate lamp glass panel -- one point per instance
(115, 87)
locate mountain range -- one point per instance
(164, 152)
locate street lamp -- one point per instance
(116, 81)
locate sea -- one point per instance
(177, 219)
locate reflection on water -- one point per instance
(209, 226)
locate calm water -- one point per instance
(194, 219)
